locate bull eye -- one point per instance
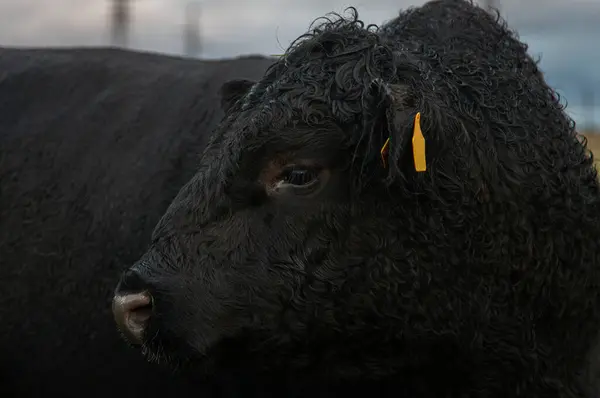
(299, 176)
(298, 180)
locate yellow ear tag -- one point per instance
(384, 152)
(418, 142)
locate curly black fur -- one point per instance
(476, 278)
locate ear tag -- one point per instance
(418, 142)
(384, 152)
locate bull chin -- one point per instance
(201, 356)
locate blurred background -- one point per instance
(564, 34)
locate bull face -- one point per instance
(257, 252)
(295, 249)
(275, 249)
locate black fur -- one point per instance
(94, 145)
(476, 278)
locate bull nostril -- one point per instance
(132, 312)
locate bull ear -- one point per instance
(232, 91)
(397, 103)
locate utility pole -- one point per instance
(192, 44)
(120, 22)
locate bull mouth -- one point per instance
(219, 358)
(161, 348)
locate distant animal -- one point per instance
(401, 212)
(94, 145)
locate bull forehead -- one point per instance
(304, 96)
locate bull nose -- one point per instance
(132, 312)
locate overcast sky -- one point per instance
(565, 33)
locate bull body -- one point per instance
(94, 145)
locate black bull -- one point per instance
(94, 145)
